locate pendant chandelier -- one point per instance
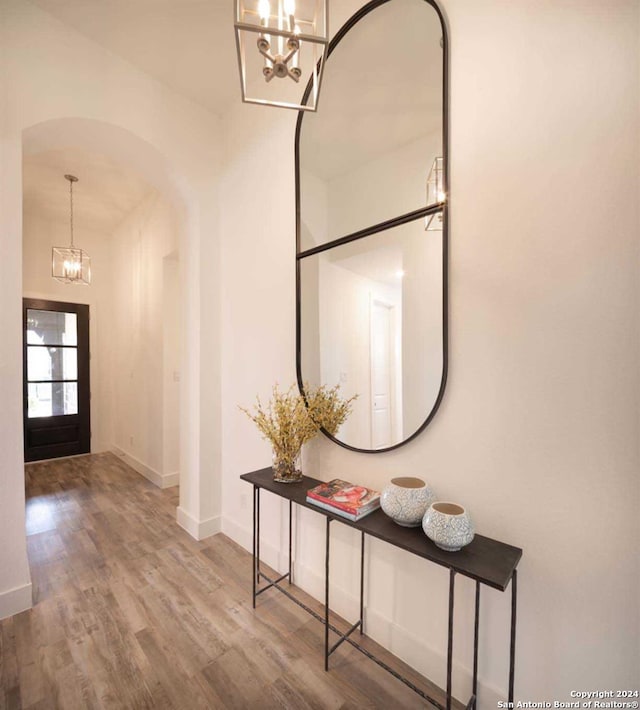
(435, 195)
(277, 41)
(70, 264)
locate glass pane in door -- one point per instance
(51, 363)
(50, 399)
(51, 328)
(39, 400)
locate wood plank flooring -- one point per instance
(131, 612)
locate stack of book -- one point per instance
(345, 499)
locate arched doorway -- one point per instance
(137, 392)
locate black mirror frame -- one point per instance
(388, 224)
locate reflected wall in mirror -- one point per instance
(372, 223)
(372, 315)
(366, 155)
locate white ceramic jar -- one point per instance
(406, 500)
(448, 525)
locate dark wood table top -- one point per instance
(488, 561)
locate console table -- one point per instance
(485, 560)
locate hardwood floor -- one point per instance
(131, 612)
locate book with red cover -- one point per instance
(345, 497)
(354, 517)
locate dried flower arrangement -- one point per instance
(291, 419)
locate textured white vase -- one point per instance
(406, 500)
(448, 525)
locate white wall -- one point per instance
(39, 235)
(54, 78)
(258, 282)
(538, 431)
(171, 338)
(15, 584)
(140, 344)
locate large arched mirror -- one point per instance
(371, 204)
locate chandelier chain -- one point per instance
(71, 208)
(71, 179)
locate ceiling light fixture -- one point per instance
(279, 43)
(435, 195)
(70, 264)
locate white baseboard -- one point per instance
(162, 480)
(198, 529)
(170, 479)
(13, 601)
(241, 535)
(428, 661)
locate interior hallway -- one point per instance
(131, 612)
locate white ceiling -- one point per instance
(104, 195)
(188, 45)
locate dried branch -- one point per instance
(288, 421)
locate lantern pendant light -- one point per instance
(278, 40)
(435, 195)
(71, 265)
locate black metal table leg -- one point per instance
(258, 535)
(290, 527)
(255, 493)
(326, 599)
(362, 584)
(452, 577)
(512, 653)
(476, 636)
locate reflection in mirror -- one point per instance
(372, 315)
(372, 226)
(365, 156)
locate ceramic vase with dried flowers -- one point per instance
(291, 419)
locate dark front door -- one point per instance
(56, 379)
